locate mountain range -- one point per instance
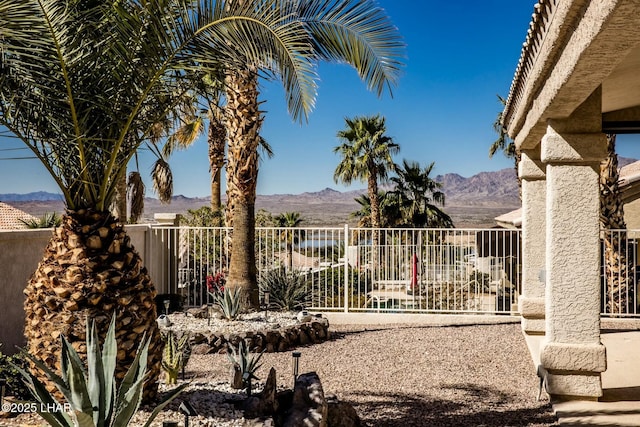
(471, 202)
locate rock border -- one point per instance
(282, 339)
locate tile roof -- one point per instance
(10, 217)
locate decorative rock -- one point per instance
(203, 348)
(304, 316)
(198, 313)
(341, 414)
(309, 407)
(265, 403)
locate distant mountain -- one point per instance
(472, 201)
(38, 196)
(484, 189)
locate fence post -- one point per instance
(346, 268)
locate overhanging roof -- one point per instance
(572, 48)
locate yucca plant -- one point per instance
(288, 290)
(175, 355)
(230, 302)
(245, 364)
(92, 393)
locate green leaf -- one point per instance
(165, 401)
(76, 379)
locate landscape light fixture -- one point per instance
(166, 306)
(266, 304)
(296, 366)
(188, 411)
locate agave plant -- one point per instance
(91, 393)
(175, 355)
(230, 302)
(288, 290)
(245, 364)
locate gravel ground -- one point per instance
(394, 376)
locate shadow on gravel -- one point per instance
(476, 407)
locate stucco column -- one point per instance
(534, 190)
(572, 352)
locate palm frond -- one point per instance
(162, 180)
(358, 33)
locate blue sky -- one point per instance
(460, 54)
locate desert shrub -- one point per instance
(288, 290)
(13, 379)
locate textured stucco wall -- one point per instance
(531, 302)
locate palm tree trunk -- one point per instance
(619, 294)
(216, 139)
(375, 221)
(91, 270)
(243, 122)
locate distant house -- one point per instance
(10, 217)
(629, 184)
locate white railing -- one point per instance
(619, 273)
(360, 269)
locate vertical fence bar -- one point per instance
(346, 268)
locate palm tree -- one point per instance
(504, 143)
(355, 32)
(418, 194)
(82, 84)
(290, 237)
(390, 212)
(366, 156)
(620, 296)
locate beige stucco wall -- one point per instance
(632, 214)
(20, 252)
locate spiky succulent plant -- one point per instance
(230, 302)
(175, 355)
(91, 393)
(245, 364)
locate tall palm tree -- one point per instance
(81, 84)
(419, 195)
(290, 237)
(355, 32)
(620, 297)
(367, 155)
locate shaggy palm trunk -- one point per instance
(619, 294)
(243, 122)
(216, 139)
(120, 204)
(91, 270)
(289, 256)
